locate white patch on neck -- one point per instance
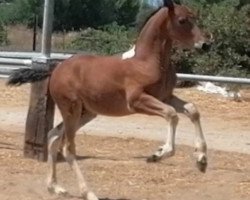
(129, 54)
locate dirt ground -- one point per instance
(115, 168)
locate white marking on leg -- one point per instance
(57, 189)
(88, 195)
(53, 145)
(199, 141)
(168, 149)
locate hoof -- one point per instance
(201, 163)
(56, 189)
(161, 153)
(89, 196)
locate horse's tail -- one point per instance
(28, 75)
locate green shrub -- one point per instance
(107, 40)
(230, 53)
(3, 35)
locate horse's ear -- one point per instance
(169, 4)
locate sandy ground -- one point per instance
(115, 166)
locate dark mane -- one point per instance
(148, 12)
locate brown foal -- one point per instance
(85, 86)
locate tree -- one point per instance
(21, 11)
(126, 11)
(77, 14)
(73, 14)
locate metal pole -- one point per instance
(220, 79)
(47, 27)
(34, 32)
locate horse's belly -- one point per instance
(112, 104)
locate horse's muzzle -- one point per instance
(206, 46)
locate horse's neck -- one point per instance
(165, 55)
(151, 38)
(167, 71)
(163, 87)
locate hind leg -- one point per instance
(72, 123)
(190, 110)
(54, 143)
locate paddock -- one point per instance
(112, 154)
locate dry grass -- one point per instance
(21, 39)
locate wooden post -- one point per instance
(41, 108)
(40, 119)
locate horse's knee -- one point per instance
(69, 148)
(171, 114)
(72, 147)
(191, 111)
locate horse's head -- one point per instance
(173, 23)
(182, 27)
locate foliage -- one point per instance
(79, 14)
(107, 40)
(3, 35)
(126, 11)
(230, 53)
(72, 14)
(21, 11)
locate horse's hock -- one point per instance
(40, 116)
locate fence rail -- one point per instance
(15, 62)
(31, 55)
(219, 79)
(10, 61)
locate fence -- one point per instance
(14, 60)
(10, 61)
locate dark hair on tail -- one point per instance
(28, 75)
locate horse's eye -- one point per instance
(182, 21)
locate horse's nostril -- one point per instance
(206, 46)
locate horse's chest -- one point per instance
(163, 88)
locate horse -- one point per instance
(84, 86)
